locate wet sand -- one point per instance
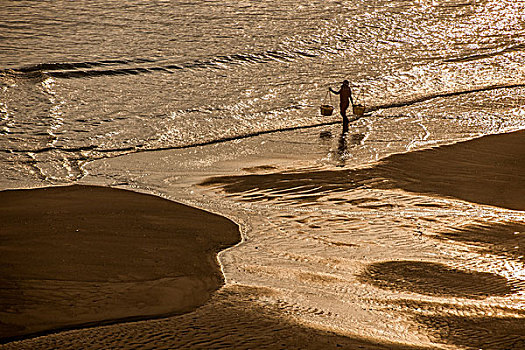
(489, 170)
(235, 318)
(84, 255)
(86, 258)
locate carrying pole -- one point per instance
(329, 96)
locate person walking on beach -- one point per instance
(345, 97)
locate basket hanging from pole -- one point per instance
(327, 109)
(358, 110)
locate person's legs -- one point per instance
(342, 109)
(345, 126)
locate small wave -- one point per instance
(47, 67)
(142, 148)
(68, 70)
(97, 73)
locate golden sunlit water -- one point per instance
(407, 227)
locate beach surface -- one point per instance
(230, 320)
(433, 262)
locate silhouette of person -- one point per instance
(345, 97)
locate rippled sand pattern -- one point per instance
(486, 171)
(507, 239)
(418, 267)
(231, 320)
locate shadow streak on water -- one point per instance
(435, 279)
(412, 101)
(513, 48)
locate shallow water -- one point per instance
(159, 96)
(97, 79)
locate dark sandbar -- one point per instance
(77, 255)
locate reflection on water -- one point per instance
(347, 140)
(467, 172)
